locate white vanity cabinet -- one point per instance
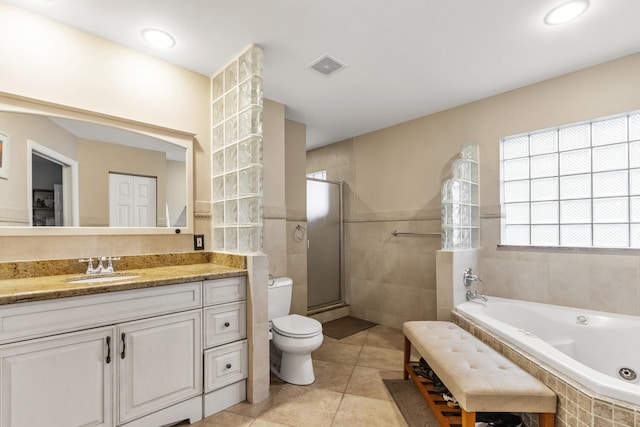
(159, 363)
(129, 358)
(226, 349)
(60, 381)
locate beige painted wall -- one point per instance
(97, 159)
(274, 209)
(296, 205)
(285, 199)
(295, 170)
(176, 189)
(20, 128)
(54, 63)
(396, 178)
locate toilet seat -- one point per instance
(296, 326)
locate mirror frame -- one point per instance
(15, 104)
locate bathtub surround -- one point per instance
(563, 338)
(577, 406)
(450, 267)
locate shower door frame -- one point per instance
(341, 274)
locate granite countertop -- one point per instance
(15, 290)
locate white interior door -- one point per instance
(132, 201)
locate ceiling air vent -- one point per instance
(326, 65)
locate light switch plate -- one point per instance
(198, 242)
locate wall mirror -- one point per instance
(69, 172)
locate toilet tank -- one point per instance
(279, 297)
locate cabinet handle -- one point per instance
(228, 365)
(124, 346)
(108, 349)
(226, 324)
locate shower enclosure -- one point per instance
(324, 243)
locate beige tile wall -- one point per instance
(605, 280)
(392, 279)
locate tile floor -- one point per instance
(348, 390)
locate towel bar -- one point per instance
(396, 234)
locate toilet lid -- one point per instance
(295, 325)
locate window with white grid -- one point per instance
(576, 186)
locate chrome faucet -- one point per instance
(469, 278)
(471, 295)
(100, 268)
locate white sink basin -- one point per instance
(101, 279)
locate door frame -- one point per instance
(70, 206)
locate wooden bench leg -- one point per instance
(546, 420)
(468, 418)
(407, 356)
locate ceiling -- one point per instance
(405, 58)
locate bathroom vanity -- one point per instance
(162, 345)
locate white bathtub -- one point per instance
(591, 347)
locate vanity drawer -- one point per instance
(220, 291)
(55, 316)
(225, 365)
(225, 323)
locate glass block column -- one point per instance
(236, 150)
(461, 202)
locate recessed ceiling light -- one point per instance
(566, 12)
(158, 38)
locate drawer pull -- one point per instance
(228, 365)
(227, 324)
(124, 346)
(108, 349)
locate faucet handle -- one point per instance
(109, 268)
(89, 262)
(469, 277)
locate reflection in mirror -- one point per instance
(71, 173)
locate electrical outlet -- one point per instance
(198, 242)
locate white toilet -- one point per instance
(293, 337)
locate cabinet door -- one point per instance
(62, 381)
(159, 363)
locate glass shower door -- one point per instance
(324, 244)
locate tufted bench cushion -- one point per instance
(481, 379)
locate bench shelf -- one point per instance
(446, 415)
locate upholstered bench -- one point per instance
(479, 378)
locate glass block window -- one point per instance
(576, 185)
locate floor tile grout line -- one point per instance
(348, 381)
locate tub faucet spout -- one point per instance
(471, 295)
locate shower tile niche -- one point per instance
(236, 150)
(461, 201)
